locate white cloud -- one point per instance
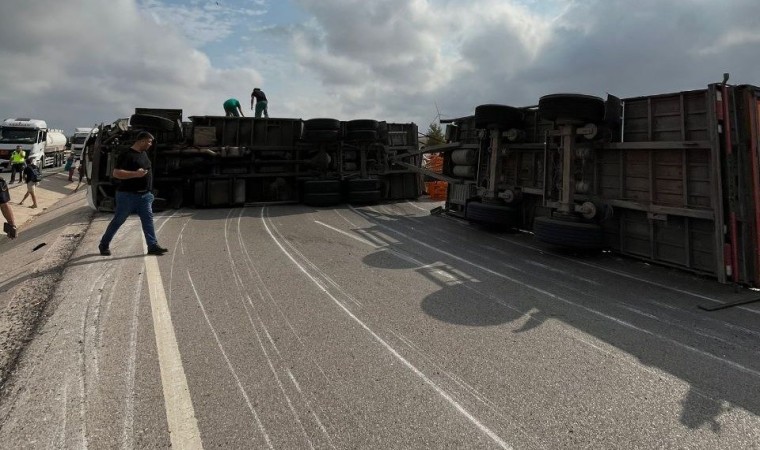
(387, 59)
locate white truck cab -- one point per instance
(45, 145)
(79, 138)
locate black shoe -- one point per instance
(105, 251)
(157, 250)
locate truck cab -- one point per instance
(45, 146)
(79, 139)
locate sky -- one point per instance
(76, 63)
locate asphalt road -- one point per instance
(378, 327)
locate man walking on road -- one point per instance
(133, 194)
(232, 108)
(5, 208)
(261, 102)
(17, 163)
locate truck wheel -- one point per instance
(364, 197)
(361, 135)
(321, 186)
(575, 107)
(498, 116)
(151, 122)
(317, 136)
(363, 185)
(568, 233)
(322, 199)
(489, 214)
(361, 124)
(321, 124)
(464, 156)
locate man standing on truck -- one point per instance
(261, 102)
(17, 163)
(232, 108)
(5, 207)
(134, 194)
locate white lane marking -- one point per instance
(482, 427)
(569, 302)
(183, 426)
(127, 435)
(229, 365)
(421, 209)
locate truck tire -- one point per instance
(575, 107)
(320, 136)
(501, 117)
(363, 185)
(361, 135)
(464, 156)
(568, 233)
(322, 199)
(321, 124)
(150, 122)
(488, 214)
(321, 186)
(361, 124)
(365, 197)
(463, 171)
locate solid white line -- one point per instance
(482, 427)
(183, 426)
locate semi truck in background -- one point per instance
(80, 137)
(45, 145)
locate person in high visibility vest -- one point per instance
(18, 157)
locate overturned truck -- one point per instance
(670, 178)
(213, 161)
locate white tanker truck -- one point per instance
(45, 145)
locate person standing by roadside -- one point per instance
(69, 167)
(32, 177)
(5, 208)
(17, 163)
(232, 108)
(133, 194)
(261, 102)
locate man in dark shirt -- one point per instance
(261, 102)
(5, 208)
(134, 194)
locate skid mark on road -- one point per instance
(127, 435)
(616, 320)
(445, 395)
(229, 365)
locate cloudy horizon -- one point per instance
(81, 62)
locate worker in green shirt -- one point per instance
(18, 157)
(232, 108)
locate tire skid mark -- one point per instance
(622, 305)
(562, 299)
(266, 295)
(242, 296)
(323, 277)
(243, 392)
(293, 379)
(429, 382)
(127, 436)
(571, 288)
(177, 242)
(626, 275)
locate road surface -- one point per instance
(378, 327)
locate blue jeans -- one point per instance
(126, 204)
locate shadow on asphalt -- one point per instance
(458, 301)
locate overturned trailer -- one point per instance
(216, 161)
(672, 178)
